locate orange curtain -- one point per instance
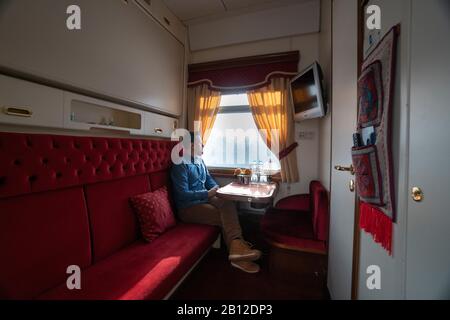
(203, 105)
(273, 112)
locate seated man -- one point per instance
(194, 195)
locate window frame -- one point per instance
(228, 172)
(235, 109)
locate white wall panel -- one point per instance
(120, 52)
(342, 208)
(266, 24)
(186, 10)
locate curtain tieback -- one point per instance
(283, 153)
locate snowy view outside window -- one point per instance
(235, 141)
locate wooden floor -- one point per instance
(215, 279)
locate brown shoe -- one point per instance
(246, 266)
(241, 251)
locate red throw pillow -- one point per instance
(154, 213)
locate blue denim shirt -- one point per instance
(191, 182)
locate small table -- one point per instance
(260, 193)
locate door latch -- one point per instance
(416, 194)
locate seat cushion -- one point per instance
(154, 213)
(291, 229)
(41, 234)
(114, 225)
(143, 271)
(296, 202)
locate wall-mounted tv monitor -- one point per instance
(307, 93)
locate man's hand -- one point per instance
(212, 192)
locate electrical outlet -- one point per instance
(306, 135)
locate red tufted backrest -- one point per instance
(33, 163)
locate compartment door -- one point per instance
(428, 240)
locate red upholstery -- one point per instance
(143, 271)
(40, 236)
(33, 163)
(289, 224)
(296, 202)
(64, 200)
(160, 179)
(114, 225)
(291, 229)
(319, 207)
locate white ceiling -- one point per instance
(191, 11)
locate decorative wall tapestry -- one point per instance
(372, 153)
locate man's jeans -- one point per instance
(216, 212)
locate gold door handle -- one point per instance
(416, 194)
(342, 168)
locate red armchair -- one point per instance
(296, 230)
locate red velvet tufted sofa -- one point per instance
(64, 201)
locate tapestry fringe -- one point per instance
(375, 222)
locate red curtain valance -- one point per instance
(242, 74)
